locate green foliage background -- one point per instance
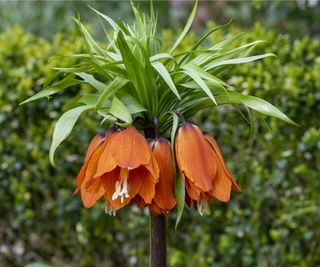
(274, 222)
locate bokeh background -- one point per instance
(273, 222)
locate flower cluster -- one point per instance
(124, 167)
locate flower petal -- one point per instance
(92, 193)
(195, 157)
(193, 192)
(164, 191)
(129, 149)
(95, 142)
(219, 157)
(148, 183)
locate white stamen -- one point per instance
(203, 207)
(122, 186)
(108, 209)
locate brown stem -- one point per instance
(158, 241)
(158, 244)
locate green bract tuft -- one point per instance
(134, 78)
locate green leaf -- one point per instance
(237, 61)
(175, 122)
(194, 75)
(133, 69)
(119, 110)
(89, 40)
(249, 101)
(156, 57)
(112, 23)
(64, 127)
(186, 27)
(43, 93)
(262, 106)
(131, 103)
(89, 99)
(37, 264)
(113, 87)
(53, 89)
(88, 78)
(189, 53)
(161, 69)
(179, 190)
(205, 75)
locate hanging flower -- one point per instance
(126, 168)
(164, 200)
(202, 167)
(88, 169)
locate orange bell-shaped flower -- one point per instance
(164, 200)
(126, 168)
(196, 161)
(88, 169)
(202, 167)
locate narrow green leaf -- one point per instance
(156, 57)
(89, 99)
(262, 106)
(226, 42)
(113, 87)
(161, 69)
(194, 75)
(237, 61)
(131, 103)
(186, 27)
(215, 49)
(88, 78)
(37, 264)
(119, 110)
(205, 75)
(43, 93)
(112, 23)
(53, 89)
(249, 101)
(89, 40)
(64, 127)
(187, 55)
(175, 122)
(133, 68)
(179, 190)
(139, 24)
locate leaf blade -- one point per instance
(64, 127)
(162, 70)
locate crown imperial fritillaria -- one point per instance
(145, 96)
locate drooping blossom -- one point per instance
(202, 168)
(164, 200)
(126, 169)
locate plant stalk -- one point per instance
(158, 241)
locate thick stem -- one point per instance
(158, 244)
(158, 241)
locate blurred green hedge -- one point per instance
(273, 222)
